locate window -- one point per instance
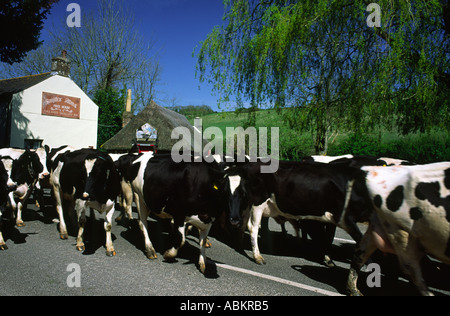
(33, 143)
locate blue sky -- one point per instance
(177, 26)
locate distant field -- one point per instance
(421, 148)
(264, 118)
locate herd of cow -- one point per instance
(407, 206)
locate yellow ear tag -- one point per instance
(216, 187)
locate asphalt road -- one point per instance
(39, 263)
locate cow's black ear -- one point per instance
(47, 148)
(221, 183)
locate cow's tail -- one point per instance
(357, 205)
(348, 195)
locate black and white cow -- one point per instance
(187, 192)
(323, 234)
(82, 179)
(333, 194)
(411, 218)
(359, 161)
(53, 154)
(24, 172)
(15, 153)
(127, 173)
(5, 189)
(43, 176)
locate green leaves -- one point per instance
(21, 22)
(111, 103)
(322, 57)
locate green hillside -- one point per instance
(418, 147)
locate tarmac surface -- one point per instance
(39, 263)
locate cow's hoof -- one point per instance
(3, 247)
(328, 262)
(81, 248)
(64, 236)
(20, 224)
(260, 261)
(170, 254)
(111, 253)
(151, 255)
(354, 292)
(202, 268)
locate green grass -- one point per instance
(418, 147)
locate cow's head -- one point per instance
(26, 169)
(207, 190)
(102, 180)
(239, 198)
(42, 153)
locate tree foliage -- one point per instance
(320, 59)
(106, 51)
(111, 103)
(192, 110)
(21, 22)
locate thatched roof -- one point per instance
(162, 119)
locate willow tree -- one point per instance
(323, 61)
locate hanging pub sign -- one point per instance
(60, 105)
(147, 132)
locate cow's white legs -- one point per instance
(19, 221)
(127, 199)
(256, 214)
(54, 180)
(149, 250)
(13, 204)
(364, 250)
(2, 241)
(136, 201)
(142, 221)
(171, 253)
(409, 256)
(203, 243)
(81, 207)
(406, 248)
(81, 216)
(110, 252)
(203, 239)
(63, 234)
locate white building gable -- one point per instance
(56, 111)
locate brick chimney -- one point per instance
(61, 65)
(127, 115)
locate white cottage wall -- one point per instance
(28, 122)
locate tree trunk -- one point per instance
(321, 139)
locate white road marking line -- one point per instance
(279, 280)
(348, 241)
